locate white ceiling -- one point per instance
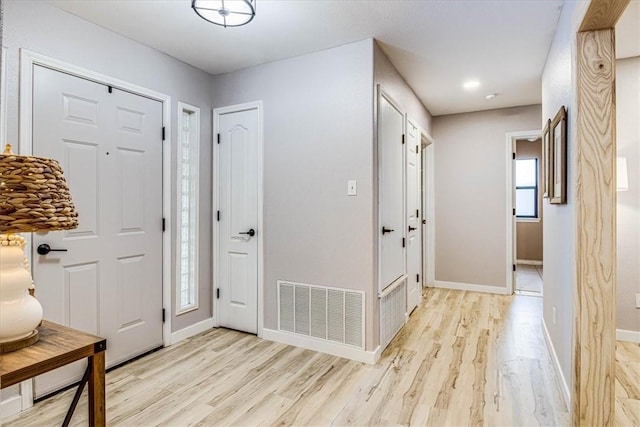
(436, 45)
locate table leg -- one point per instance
(97, 416)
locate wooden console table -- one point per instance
(58, 346)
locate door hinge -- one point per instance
(163, 133)
(514, 156)
(218, 293)
(403, 242)
(110, 89)
(418, 278)
(514, 211)
(164, 224)
(218, 138)
(417, 149)
(417, 213)
(218, 215)
(403, 138)
(514, 267)
(163, 315)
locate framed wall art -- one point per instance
(545, 182)
(558, 158)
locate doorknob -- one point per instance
(251, 232)
(44, 249)
(387, 230)
(412, 228)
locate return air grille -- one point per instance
(393, 309)
(322, 313)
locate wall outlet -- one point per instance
(637, 300)
(553, 315)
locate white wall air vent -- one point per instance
(322, 313)
(393, 309)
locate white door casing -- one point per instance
(391, 189)
(109, 282)
(511, 243)
(428, 211)
(414, 228)
(238, 218)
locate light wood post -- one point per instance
(594, 341)
(594, 336)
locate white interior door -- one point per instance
(414, 240)
(109, 279)
(390, 197)
(237, 167)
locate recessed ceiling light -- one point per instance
(490, 96)
(471, 84)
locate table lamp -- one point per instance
(34, 196)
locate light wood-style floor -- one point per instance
(529, 278)
(464, 359)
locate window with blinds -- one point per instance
(187, 245)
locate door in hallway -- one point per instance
(237, 178)
(414, 234)
(108, 281)
(390, 196)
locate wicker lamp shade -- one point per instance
(34, 195)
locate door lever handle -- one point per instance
(387, 230)
(44, 249)
(251, 232)
(412, 228)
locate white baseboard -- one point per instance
(528, 262)
(10, 406)
(630, 336)
(192, 330)
(556, 365)
(335, 349)
(471, 287)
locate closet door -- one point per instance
(390, 191)
(414, 241)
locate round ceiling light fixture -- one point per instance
(471, 84)
(226, 13)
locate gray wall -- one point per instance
(318, 134)
(394, 85)
(387, 76)
(42, 28)
(529, 233)
(628, 140)
(470, 195)
(559, 257)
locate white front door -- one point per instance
(108, 280)
(237, 183)
(390, 196)
(414, 242)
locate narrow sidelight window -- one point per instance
(187, 247)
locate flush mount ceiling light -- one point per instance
(490, 96)
(472, 84)
(226, 13)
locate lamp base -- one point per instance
(9, 346)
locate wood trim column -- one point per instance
(593, 397)
(594, 341)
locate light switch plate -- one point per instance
(352, 187)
